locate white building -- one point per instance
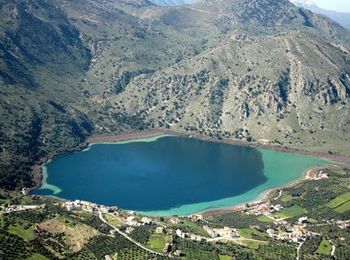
(302, 220)
(70, 206)
(195, 237)
(159, 230)
(181, 234)
(146, 221)
(174, 221)
(129, 230)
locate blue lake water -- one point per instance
(170, 175)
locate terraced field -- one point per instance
(341, 203)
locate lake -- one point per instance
(169, 175)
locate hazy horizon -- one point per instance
(335, 5)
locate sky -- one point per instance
(336, 5)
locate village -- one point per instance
(130, 220)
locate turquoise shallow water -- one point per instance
(170, 175)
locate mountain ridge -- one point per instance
(342, 18)
(103, 68)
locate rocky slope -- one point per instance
(246, 69)
(239, 90)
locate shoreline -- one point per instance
(37, 169)
(267, 195)
(339, 158)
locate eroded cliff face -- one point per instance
(282, 88)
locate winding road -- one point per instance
(298, 250)
(129, 238)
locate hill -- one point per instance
(339, 17)
(236, 68)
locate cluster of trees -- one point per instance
(12, 247)
(310, 246)
(24, 150)
(55, 241)
(197, 250)
(37, 134)
(205, 250)
(273, 251)
(142, 233)
(25, 216)
(342, 252)
(106, 245)
(314, 196)
(96, 223)
(237, 220)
